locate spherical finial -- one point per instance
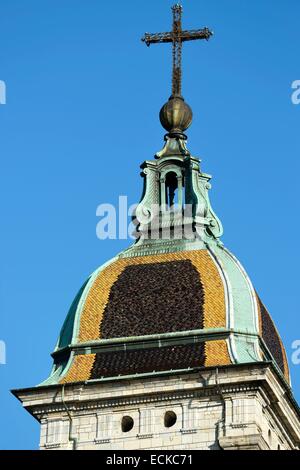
(176, 116)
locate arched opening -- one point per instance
(170, 419)
(171, 189)
(127, 423)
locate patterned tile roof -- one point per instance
(163, 295)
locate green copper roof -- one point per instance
(102, 322)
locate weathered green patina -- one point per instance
(241, 331)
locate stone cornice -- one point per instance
(96, 404)
(254, 442)
(261, 379)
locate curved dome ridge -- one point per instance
(242, 307)
(72, 323)
(202, 295)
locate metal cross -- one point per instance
(177, 37)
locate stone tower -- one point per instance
(168, 345)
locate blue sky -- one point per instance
(83, 96)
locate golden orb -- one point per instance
(176, 115)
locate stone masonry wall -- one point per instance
(201, 412)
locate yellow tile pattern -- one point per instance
(214, 292)
(214, 305)
(80, 369)
(285, 362)
(97, 298)
(216, 353)
(96, 301)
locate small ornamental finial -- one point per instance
(178, 7)
(176, 115)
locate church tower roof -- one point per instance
(177, 299)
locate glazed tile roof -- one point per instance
(122, 363)
(162, 296)
(154, 294)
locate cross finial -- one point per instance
(177, 36)
(178, 7)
